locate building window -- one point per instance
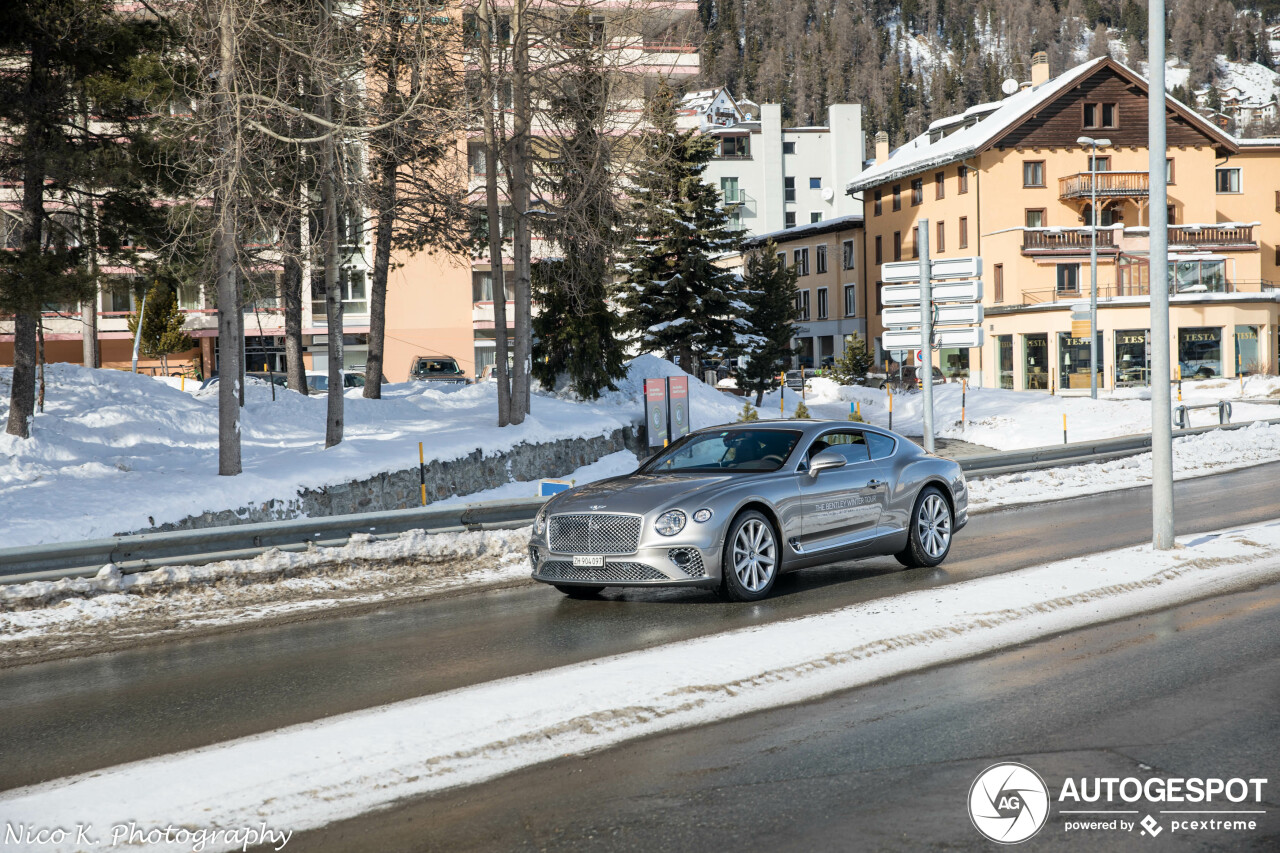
(915, 242)
(1004, 360)
(964, 232)
(788, 189)
(1200, 351)
(917, 192)
(876, 206)
(782, 260)
(1168, 170)
(1033, 173)
(815, 183)
(822, 303)
(802, 300)
(847, 259)
(997, 279)
(1035, 217)
(1228, 180)
(1132, 359)
(1168, 214)
(850, 300)
(1035, 362)
(897, 196)
(879, 251)
(879, 297)
(729, 190)
(897, 245)
(788, 148)
(789, 219)
(800, 257)
(820, 258)
(963, 174)
(1099, 164)
(1068, 278)
(815, 216)
(1100, 116)
(939, 184)
(940, 244)
(735, 147)
(1073, 365)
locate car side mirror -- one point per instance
(826, 461)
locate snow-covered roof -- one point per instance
(989, 122)
(809, 229)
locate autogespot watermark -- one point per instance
(1010, 802)
(195, 839)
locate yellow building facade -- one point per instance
(1012, 182)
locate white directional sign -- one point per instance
(964, 337)
(943, 291)
(944, 315)
(897, 271)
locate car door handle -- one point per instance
(874, 484)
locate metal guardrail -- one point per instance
(140, 552)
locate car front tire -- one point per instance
(751, 559)
(932, 528)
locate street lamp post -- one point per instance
(1093, 260)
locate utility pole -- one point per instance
(1161, 415)
(926, 331)
(1093, 260)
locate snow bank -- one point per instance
(117, 451)
(316, 773)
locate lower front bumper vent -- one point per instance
(610, 573)
(689, 561)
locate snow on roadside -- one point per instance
(1193, 456)
(116, 451)
(315, 773)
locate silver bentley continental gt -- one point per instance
(733, 506)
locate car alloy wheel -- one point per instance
(929, 538)
(750, 564)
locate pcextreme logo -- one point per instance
(1008, 803)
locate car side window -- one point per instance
(850, 444)
(881, 445)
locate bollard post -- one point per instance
(890, 410)
(964, 392)
(1064, 427)
(1224, 412)
(422, 475)
(782, 393)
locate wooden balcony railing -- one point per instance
(1110, 185)
(1074, 240)
(1211, 235)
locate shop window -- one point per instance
(1133, 358)
(1035, 362)
(1004, 352)
(1247, 360)
(1200, 352)
(1073, 361)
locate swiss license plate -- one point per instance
(580, 562)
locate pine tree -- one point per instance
(802, 412)
(162, 323)
(748, 413)
(769, 291)
(675, 298)
(854, 363)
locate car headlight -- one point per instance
(540, 522)
(670, 523)
(702, 515)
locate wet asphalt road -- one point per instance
(1189, 692)
(77, 715)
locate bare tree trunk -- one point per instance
(34, 171)
(89, 326)
(238, 319)
(40, 362)
(491, 148)
(229, 367)
(329, 237)
(378, 290)
(520, 193)
(291, 301)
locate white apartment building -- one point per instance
(773, 177)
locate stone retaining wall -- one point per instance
(400, 489)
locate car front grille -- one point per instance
(609, 573)
(594, 534)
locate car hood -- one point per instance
(635, 493)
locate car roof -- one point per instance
(809, 426)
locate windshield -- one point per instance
(726, 450)
(435, 367)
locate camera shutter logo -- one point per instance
(1008, 803)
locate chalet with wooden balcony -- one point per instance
(1017, 182)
